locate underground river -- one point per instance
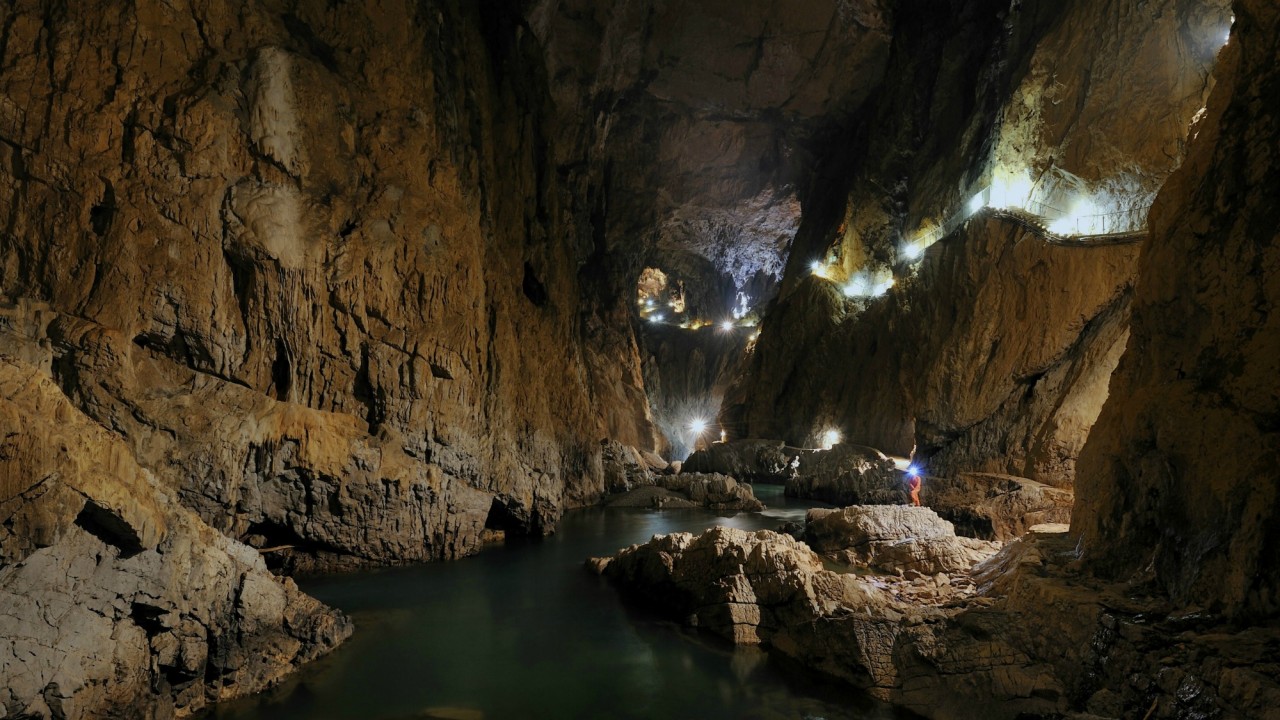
(523, 631)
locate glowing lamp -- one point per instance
(976, 203)
(830, 438)
(911, 251)
(727, 325)
(698, 426)
(912, 470)
(656, 318)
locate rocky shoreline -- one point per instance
(1022, 633)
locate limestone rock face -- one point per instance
(993, 354)
(894, 539)
(996, 507)
(686, 373)
(767, 460)
(115, 601)
(719, 493)
(848, 475)
(1179, 478)
(994, 357)
(746, 587)
(311, 262)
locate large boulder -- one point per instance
(625, 468)
(848, 475)
(747, 587)
(996, 507)
(689, 490)
(895, 539)
(766, 460)
(713, 491)
(115, 601)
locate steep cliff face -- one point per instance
(115, 601)
(1178, 481)
(313, 262)
(992, 354)
(683, 124)
(993, 358)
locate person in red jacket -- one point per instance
(914, 484)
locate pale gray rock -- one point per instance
(116, 601)
(894, 539)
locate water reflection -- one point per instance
(526, 632)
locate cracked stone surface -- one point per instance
(116, 601)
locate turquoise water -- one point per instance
(523, 631)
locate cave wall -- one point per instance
(681, 126)
(1178, 482)
(116, 601)
(992, 354)
(314, 262)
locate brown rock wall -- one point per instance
(296, 252)
(1178, 482)
(115, 601)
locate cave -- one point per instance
(726, 359)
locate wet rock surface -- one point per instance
(116, 601)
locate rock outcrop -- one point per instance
(746, 587)
(1035, 639)
(992, 355)
(894, 539)
(996, 507)
(719, 493)
(752, 460)
(1178, 482)
(115, 601)
(625, 468)
(848, 475)
(312, 262)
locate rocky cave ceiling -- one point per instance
(706, 109)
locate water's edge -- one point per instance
(523, 631)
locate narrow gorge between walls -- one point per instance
(638, 359)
